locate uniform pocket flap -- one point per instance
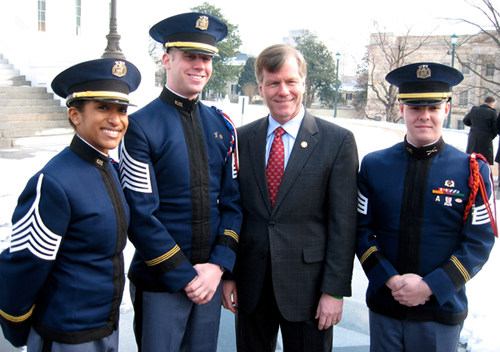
(314, 254)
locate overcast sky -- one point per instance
(345, 26)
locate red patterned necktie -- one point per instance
(275, 164)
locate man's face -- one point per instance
(187, 73)
(424, 123)
(282, 91)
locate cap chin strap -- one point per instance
(422, 96)
(98, 95)
(191, 45)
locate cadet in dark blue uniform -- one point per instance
(425, 224)
(62, 277)
(177, 172)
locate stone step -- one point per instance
(8, 73)
(24, 93)
(6, 65)
(33, 128)
(15, 83)
(49, 137)
(32, 110)
(5, 90)
(22, 89)
(4, 61)
(32, 117)
(6, 143)
(29, 102)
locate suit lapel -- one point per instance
(302, 149)
(257, 151)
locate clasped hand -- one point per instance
(409, 289)
(202, 288)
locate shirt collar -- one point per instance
(83, 140)
(291, 127)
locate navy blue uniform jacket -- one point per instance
(184, 202)
(63, 273)
(411, 205)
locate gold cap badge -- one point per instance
(119, 69)
(423, 72)
(202, 23)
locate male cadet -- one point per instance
(424, 229)
(177, 174)
(298, 191)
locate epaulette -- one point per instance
(233, 145)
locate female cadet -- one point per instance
(62, 278)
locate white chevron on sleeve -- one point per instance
(134, 175)
(362, 203)
(480, 214)
(31, 233)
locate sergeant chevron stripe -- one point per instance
(30, 232)
(460, 268)
(134, 175)
(232, 234)
(362, 203)
(480, 214)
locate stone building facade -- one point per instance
(476, 56)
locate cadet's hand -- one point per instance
(203, 287)
(229, 295)
(393, 280)
(329, 311)
(411, 291)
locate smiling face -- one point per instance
(424, 123)
(187, 73)
(282, 91)
(100, 124)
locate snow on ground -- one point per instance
(479, 330)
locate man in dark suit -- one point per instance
(295, 256)
(483, 129)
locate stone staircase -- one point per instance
(27, 111)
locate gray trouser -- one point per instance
(171, 322)
(394, 335)
(106, 344)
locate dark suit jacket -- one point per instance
(311, 230)
(483, 129)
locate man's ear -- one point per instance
(166, 59)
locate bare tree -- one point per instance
(250, 89)
(361, 96)
(387, 52)
(480, 53)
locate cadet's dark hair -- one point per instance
(274, 57)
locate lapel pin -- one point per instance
(303, 144)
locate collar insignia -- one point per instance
(433, 150)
